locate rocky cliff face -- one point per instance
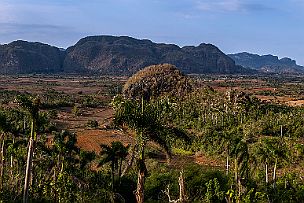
(126, 55)
(267, 63)
(30, 57)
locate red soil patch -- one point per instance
(295, 103)
(205, 160)
(90, 140)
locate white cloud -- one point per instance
(219, 5)
(231, 5)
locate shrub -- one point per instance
(92, 124)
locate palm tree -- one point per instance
(144, 119)
(263, 154)
(122, 153)
(241, 157)
(115, 154)
(65, 155)
(3, 129)
(65, 148)
(271, 151)
(31, 105)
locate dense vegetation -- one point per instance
(258, 148)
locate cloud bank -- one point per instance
(230, 5)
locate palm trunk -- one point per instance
(274, 172)
(130, 162)
(119, 171)
(12, 160)
(182, 191)
(237, 183)
(112, 176)
(28, 170)
(275, 169)
(266, 172)
(227, 165)
(236, 171)
(139, 194)
(2, 164)
(29, 164)
(240, 189)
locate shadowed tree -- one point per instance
(115, 154)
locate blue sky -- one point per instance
(263, 27)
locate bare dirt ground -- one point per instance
(69, 84)
(91, 139)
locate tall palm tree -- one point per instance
(241, 157)
(31, 105)
(144, 119)
(3, 130)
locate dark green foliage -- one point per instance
(53, 114)
(92, 124)
(90, 101)
(197, 180)
(157, 182)
(201, 183)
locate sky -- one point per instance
(256, 26)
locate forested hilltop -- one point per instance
(158, 136)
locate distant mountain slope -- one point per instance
(267, 63)
(126, 55)
(30, 57)
(112, 56)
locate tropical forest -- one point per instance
(157, 136)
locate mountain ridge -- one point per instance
(267, 63)
(26, 57)
(125, 55)
(112, 55)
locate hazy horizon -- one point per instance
(255, 26)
